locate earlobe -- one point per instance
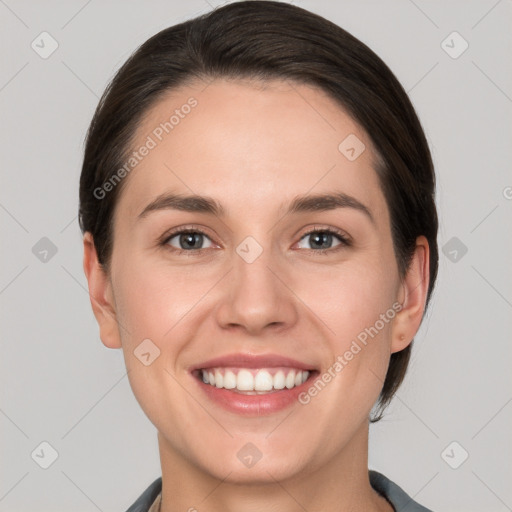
(413, 297)
(101, 296)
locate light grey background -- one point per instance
(60, 385)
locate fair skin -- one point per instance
(254, 148)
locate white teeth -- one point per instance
(263, 381)
(260, 382)
(229, 380)
(219, 379)
(290, 380)
(245, 381)
(279, 380)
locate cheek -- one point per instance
(350, 299)
(153, 299)
(356, 304)
(152, 304)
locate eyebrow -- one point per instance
(300, 204)
(326, 202)
(191, 203)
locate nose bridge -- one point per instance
(256, 297)
(252, 265)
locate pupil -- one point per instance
(191, 240)
(321, 237)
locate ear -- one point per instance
(412, 296)
(100, 293)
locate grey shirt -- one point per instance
(398, 498)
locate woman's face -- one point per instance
(255, 285)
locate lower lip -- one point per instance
(254, 405)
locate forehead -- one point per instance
(247, 144)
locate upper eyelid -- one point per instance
(337, 232)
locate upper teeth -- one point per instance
(254, 380)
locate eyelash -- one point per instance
(344, 240)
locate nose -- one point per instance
(257, 297)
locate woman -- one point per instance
(257, 203)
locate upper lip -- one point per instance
(241, 360)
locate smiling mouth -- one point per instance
(252, 381)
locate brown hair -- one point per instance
(271, 40)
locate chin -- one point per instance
(262, 473)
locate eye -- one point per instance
(188, 240)
(321, 240)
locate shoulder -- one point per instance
(146, 499)
(400, 500)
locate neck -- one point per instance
(342, 483)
